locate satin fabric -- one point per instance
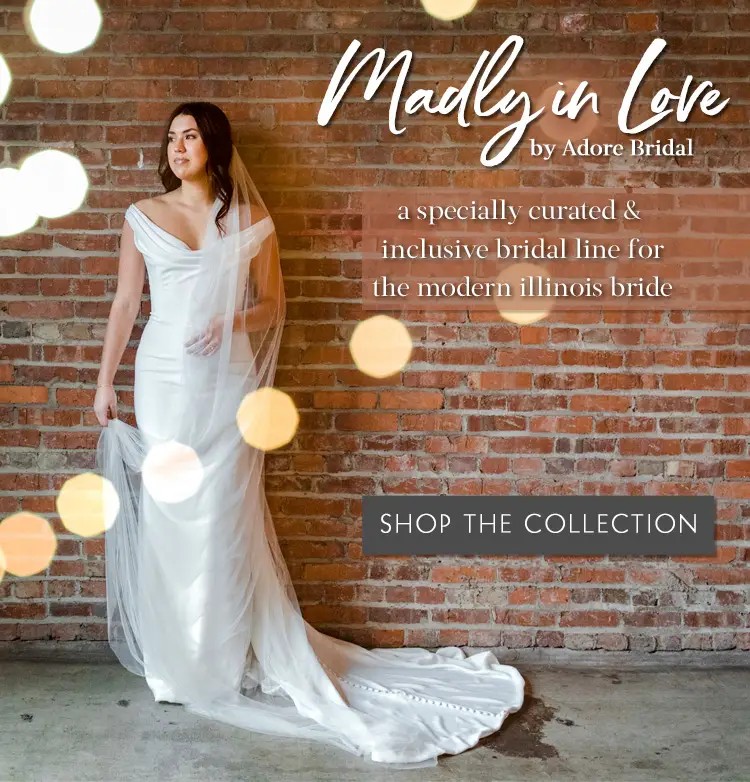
(217, 627)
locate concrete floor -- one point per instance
(669, 718)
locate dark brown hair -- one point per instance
(216, 132)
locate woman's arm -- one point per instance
(123, 312)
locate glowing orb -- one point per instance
(28, 543)
(5, 78)
(55, 180)
(513, 276)
(267, 418)
(447, 10)
(88, 504)
(63, 26)
(380, 346)
(172, 472)
(17, 213)
(562, 128)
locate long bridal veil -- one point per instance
(242, 639)
(199, 597)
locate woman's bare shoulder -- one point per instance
(149, 205)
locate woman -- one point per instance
(200, 601)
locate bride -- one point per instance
(200, 601)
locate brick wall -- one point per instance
(620, 403)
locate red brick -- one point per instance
(738, 469)
(614, 402)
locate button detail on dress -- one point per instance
(404, 694)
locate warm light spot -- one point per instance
(172, 472)
(524, 318)
(55, 181)
(5, 78)
(380, 346)
(63, 26)
(447, 10)
(28, 543)
(514, 275)
(88, 504)
(562, 128)
(17, 213)
(267, 418)
(2, 565)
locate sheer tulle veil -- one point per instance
(238, 273)
(248, 659)
(233, 645)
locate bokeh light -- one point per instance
(63, 26)
(562, 128)
(524, 318)
(380, 346)
(55, 180)
(172, 472)
(512, 275)
(28, 543)
(5, 79)
(2, 565)
(88, 504)
(267, 418)
(447, 10)
(17, 213)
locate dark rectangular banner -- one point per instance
(425, 524)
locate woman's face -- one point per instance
(186, 151)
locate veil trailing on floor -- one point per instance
(199, 597)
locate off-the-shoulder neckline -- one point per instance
(177, 238)
(183, 243)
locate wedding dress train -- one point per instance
(200, 601)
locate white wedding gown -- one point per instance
(201, 605)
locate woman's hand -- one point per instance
(208, 342)
(105, 404)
